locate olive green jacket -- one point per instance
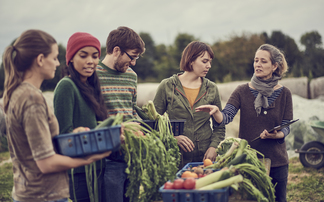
(170, 97)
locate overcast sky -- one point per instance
(208, 20)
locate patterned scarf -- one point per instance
(265, 89)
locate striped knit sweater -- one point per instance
(119, 91)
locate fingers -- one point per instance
(211, 109)
(182, 147)
(265, 134)
(122, 139)
(210, 154)
(80, 129)
(107, 154)
(185, 143)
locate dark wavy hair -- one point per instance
(90, 91)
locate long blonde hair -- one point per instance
(20, 56)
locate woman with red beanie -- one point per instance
(78, 102)
(39, 172)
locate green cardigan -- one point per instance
(170, 97)
(70, 108)
(72, 111)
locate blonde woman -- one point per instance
(264, 104)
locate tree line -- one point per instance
(233, 58)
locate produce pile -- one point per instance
(152, 156)
(237, 165)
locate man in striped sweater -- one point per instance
(119, 87)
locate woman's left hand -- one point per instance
(210, 154)
(274, 135)
(80, 129)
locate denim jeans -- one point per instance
(280, 176)
(116, 181)
(60, 200)
(81, 189)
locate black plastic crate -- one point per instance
(88, 142)
(176, 125)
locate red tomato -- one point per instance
(189, 183)
(168, 185)
(200, 175)
(178, 183)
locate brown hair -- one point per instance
(276, 56)
(20, 56)
(126, 39)
(192, 51)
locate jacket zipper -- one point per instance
(188, 100)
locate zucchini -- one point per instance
(141, 113)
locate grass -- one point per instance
(304, 184)
(6, 178)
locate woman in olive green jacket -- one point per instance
(180, 94)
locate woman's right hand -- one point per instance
(211, 109)
(185, 143)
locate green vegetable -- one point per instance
(249, 189)
(141, 113)
(225, 158)
(151, 159)
(237, 160)
(243, 144)
(225, 145)
(107, 122)
(224, 183)
(258, 178)
(209, 179)
(226, 174)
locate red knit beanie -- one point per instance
(79, 40)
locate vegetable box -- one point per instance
(183, 195)
(88, 142)
(189, 166)
(176, 125)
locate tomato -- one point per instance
(178, 183)
(168, 185)
(200, 175)
(189, 183)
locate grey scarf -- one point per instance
(265, 89)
